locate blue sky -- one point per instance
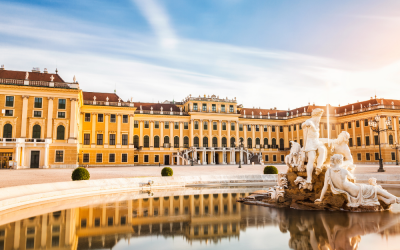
(265, 53)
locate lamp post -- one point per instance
(396, 147)
(240, 152)
(374, 124)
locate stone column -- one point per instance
(130, 212)
(72, 127)
(50, 118)
(151, 124)
(130, 135)
(362, 133)
(245, 135)
(395, 120)
(46, 156)
(171, 134)
(371, 136)
(228, 136)
(384, 135)
(286, 136)
(161, 134)
(269, 135)
(106, 121)
(219, 143)
(191, 133)
(44, 231)
(93, 130)
(140, 133)
(119, 118)
(237, 134)
(201, 127)
(253, 134)
(261, 134)
(210, 133)
(24, 118)
(321, 130)
(353, 125)
(181, 135)
(297, 133)
(17, 234)
(277, 135)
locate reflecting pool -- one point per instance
(192, 218)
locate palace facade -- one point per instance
(49, 123)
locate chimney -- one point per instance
(36, 69)
(45, 70)
(2, 67)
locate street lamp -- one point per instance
(374, 124)
(240, 152)
(396, 147)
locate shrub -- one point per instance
(167, 171)
(80, 174)
(270, 170)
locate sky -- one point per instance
(266, 53)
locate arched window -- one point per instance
(249, 143)
(205, 141)
(281, 143)
(156, 141)
(241, 141)
(273, 142)
(60, 132)
(265, 142)
(196, 142)
(146, 142)
(186, 141)
(257, 141)
(224, 142)
(166, 139)
(176, 142)
(391, 139)
(136, 141)
(7, 131)
(233, 142)
(36, 131)
(215, 142)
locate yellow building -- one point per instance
(49, 123)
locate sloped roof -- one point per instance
(100, 97)
(156, 106)
(33, 76)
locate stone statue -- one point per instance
(107, 99)
(26, 75)
(312, 144)
(357, 194)
(74, 79)
(296, 157)
(51, 78)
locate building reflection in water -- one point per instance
(205, 218)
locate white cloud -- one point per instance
(159, 20)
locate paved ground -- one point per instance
(10, 178)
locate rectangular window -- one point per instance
(124, 158)
(157, 124)
(232, 126)
(123, 220)
(100, 117)
(59, 156)
(367, 140)
(294, 127)
(273, 128)
(99, 157)
(282, 158)
(38, 102)
(214, 107)
(110, 221)
(85, 158)
(86, 139)
(266, 128)
(37, 113)
(300, 127)
(274, 158)
(176, 125)
(125, 119)
(240, 127)
(222, 108)
(112, 118)
(195, 106)
(97, 222)
(205, 125)
(30, 243)
(280, 128)
(185, 125)
(99, 139)
(366, 122)
(223, 126)
(196, 125)
(358, 157)
(393, 156)
(357, 124)
(266, 158)
(136, 124)
(9, 101)
(376, 156)
(156, 158)
(301, 142)
(124, 139)
(349, 125)
(358, 141)
(61, 103)
(290, 128)
(87, 117)
(146, 124)
(350, 142)
(367, 157)
(136, 158)
(376, 141)
(231, 108)
(9, 112)
(248, 127)
(342, 126)
(111, 158)
(215, 126)
(204, 107)
(146, 158)
(166, 125)
(112, 139)
(61, 114)
(55, 241)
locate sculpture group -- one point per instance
(320, 176)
